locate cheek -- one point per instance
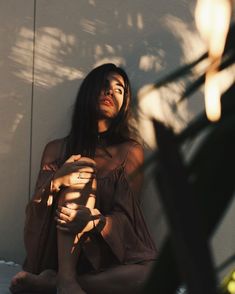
(120, 102)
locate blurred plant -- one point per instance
(195, 192)
(213, 19)
(228, 284)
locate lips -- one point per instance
(107, 101)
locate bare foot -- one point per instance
(70, 286)
(23, 281)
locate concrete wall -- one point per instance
(16, 34)
(47, 47)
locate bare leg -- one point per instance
(128, 279)
(68, 244)
(27, 282)
(68, 253)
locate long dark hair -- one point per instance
(83, 136)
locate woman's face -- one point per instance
(112, 96)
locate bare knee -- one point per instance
(69, 195)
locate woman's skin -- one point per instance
(111, 281)
(110, 102)
(67, 176)
(68, 243)
(74, 213)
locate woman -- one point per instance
(84, 230)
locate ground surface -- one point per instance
(7, 271)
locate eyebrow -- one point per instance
(118, 83)
(121, 85)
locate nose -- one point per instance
(108, 91)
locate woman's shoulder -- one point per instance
(132, 145)
(131, 150)
(133, 160)
(55, 144)
(54, 149)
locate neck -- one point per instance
(103, 125)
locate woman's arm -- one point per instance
(52, 177)
(123, 230)
(48, 168)
(80, 219)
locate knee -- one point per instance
(68, 195)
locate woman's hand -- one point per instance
(74, 218)
(76, 171)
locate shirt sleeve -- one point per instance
(125, 230)
(48, 167)
(38, 212)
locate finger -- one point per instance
(65, 210)
(94, 185)
(75, 179)
(87, 169)
(74, 158)
(72, 205)
(59, 221)
(81, 181)
(83, 211)
(81, 207)
(74, 167)
(84, 162)
(81, 178)
(64, 217)
(87, 159)
(85, 181)
(78, 188)
(91, 201)
(85, 175)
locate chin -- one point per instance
(107, 114)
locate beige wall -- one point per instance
(16, 37)
(148, 38)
